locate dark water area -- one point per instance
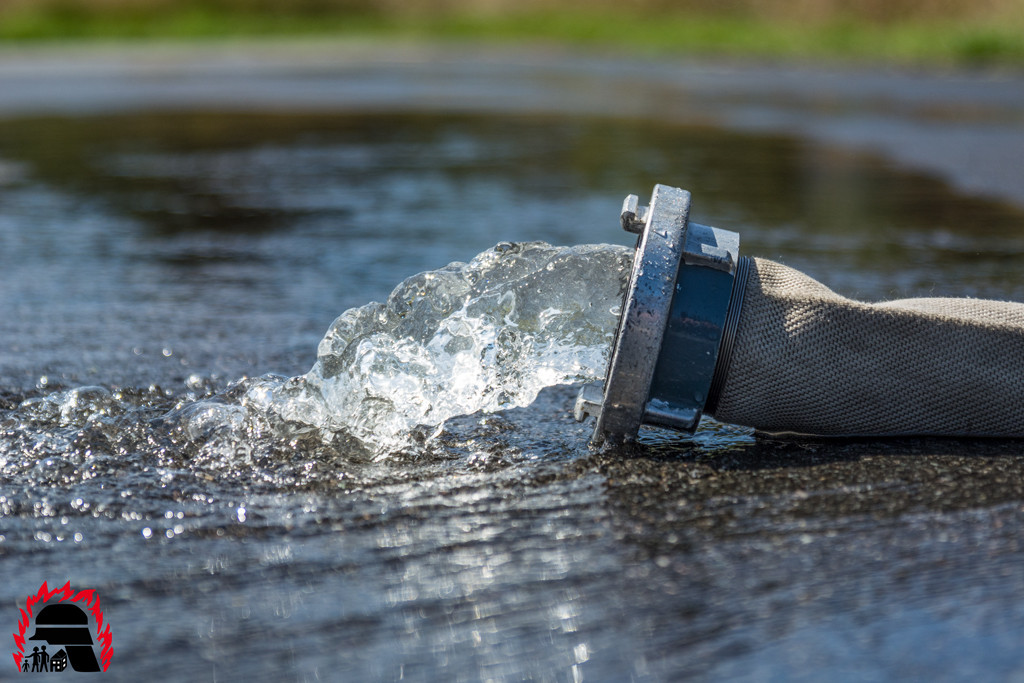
(150, 259)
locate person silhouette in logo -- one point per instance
(35, 658)
(44, 660)
(66, 624)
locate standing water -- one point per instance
(415, 506)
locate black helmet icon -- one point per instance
(67, 625)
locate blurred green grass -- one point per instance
(897, 31)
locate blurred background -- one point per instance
(947, 31)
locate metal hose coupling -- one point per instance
(677, 326)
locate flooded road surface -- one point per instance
(170, 227)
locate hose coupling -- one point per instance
(677, 326)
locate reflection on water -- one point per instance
(153, 260)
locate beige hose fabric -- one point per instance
(807, 360)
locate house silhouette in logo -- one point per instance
(66, 625)
(59, 661)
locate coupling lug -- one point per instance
(634, 216)
(588, 401)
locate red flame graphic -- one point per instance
(89, 599)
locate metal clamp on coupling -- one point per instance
(677, 325)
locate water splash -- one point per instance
(479, 336)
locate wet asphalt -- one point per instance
(739, 558)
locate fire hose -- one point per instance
(753, 342)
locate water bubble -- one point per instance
(77, 406)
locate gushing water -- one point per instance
(480, 336)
